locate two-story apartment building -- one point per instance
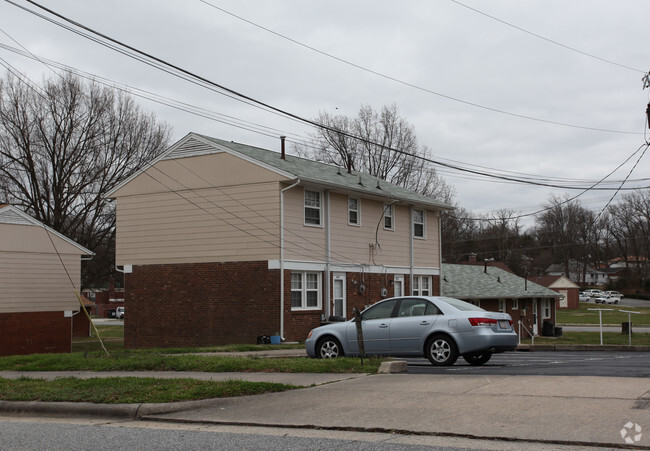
(222, 242)
(40, 269)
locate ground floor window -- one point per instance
(502, 305)
(305, 290)
(422, 286)
(515, 304)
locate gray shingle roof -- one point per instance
(473, 282)
(325, 174)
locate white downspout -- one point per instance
(328, 245)
(282, 256)
(440, 251)
(411, 251)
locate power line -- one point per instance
(411, 85)
(201, 81)
(523, 30)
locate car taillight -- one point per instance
(482, 321)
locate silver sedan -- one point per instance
(439, 328)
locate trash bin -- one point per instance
(558, 332)
(111, 313)
(625, 327)
(276, 340)
(548, 329)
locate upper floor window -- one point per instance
(388, 217)
(418, 223)
(354, 217)
(312, 208)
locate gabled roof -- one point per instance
(554, 281)
(293, 167)
(12, 215)
(479, 282)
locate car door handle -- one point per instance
(383, 325)
(424, 323)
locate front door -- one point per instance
(399, 286)
(338, 299)
(535, 331)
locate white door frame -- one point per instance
(535, 317)
(398, 286)
(339, 278)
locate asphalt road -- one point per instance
(574, 363)
(22, 434)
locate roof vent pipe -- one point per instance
(282, 138)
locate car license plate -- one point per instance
(504, 324)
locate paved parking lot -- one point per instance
(574, 363)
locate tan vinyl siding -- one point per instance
(37, 282)
(427, 252)
(238, 223)
(200, 209)
(303, 243)
(351, 243)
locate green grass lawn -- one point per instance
(125, 390)
(583, 315)
(592, 338)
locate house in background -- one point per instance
(588, 276)
(568, 291)
(493, 288)
(38, 268)
(223, 242)
(107, 299)
(81, 326)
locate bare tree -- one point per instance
(381, 134)
(63, 146)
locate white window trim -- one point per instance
(418, 291)
(502, 306)
(389, 209)
(303, 289)
(358, 210)
(305, 206)
(424, 224)
(515, 304)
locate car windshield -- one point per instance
(462, 305)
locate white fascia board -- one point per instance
(295, 265)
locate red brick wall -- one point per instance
(80, 324)
(205, 304)
(33, 333)
(201, 304)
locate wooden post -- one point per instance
(362, 347)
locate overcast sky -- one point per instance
(462, 78)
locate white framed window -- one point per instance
(306, 291)
(502, 305)
(418, 224)
(422, 286)
(312, 208)
(515, 304)
(389, 223)
(399, 286)
(354, 211)
(546, 308)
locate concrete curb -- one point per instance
(87, 409)
(564, 348)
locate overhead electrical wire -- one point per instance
(178, 71)
(411, 85)
(523, 30)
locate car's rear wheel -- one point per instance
(477, 358)
(329, 348)
(441, 350)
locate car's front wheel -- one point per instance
(477, 358)
(329, 348)
(441, 350)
